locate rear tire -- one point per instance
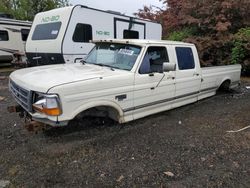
(225, 86)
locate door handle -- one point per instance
(196, 74)
(171, 77)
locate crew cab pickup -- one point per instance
(122, 79)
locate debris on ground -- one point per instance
(14, 170)
(170, 174)
(236, 164)
(120, 178)
(102, 175)
(4, 183)
(10, 136)
(154, 125)
(3, 77)
(242, 129)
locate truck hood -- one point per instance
(45, 77)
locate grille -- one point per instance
(22, 96)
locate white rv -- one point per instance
(63, 35)
(13, 35)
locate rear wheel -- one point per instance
(225, 86)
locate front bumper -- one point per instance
(50, 122)
(36, 117)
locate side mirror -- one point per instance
(166, 67)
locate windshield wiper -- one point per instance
(104, 65)
(100, 64)
(83, 61)
(111, 67)
(117, 68)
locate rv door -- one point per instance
(129, 29)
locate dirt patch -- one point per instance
(245, 79)
(184, 147)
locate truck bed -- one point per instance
(214, 77)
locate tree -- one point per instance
(209, 16)
(27, 9)
(152, 13)
(210, 24)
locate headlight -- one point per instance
(47, 104)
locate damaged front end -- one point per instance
(36, 108)
(29, 124)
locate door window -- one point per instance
(153, 60)
(185, 58)
(4, 36)
(82, 33)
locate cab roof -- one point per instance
(142, 42)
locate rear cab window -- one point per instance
(185, 58)
(47, 31)
(4, 36)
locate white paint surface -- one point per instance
(127, 7)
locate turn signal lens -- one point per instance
(48, 111)
(49, 105)
(52, 111)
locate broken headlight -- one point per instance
(48, 104)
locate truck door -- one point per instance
(129, 29)
(153, 90)
(188, 76)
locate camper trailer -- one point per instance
(13, 35)
(64, 35)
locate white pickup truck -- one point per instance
(122, 79)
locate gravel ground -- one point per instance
(184, 147)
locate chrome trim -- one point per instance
(22, 96)
(170, 99)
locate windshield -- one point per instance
(120, 56)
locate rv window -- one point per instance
(4, 35)
(46, 31)
(25, 33)
(82, 33)
(130, 34)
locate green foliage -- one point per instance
(238, 52)
(181, 35)
(243, 34)
(27, 9)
